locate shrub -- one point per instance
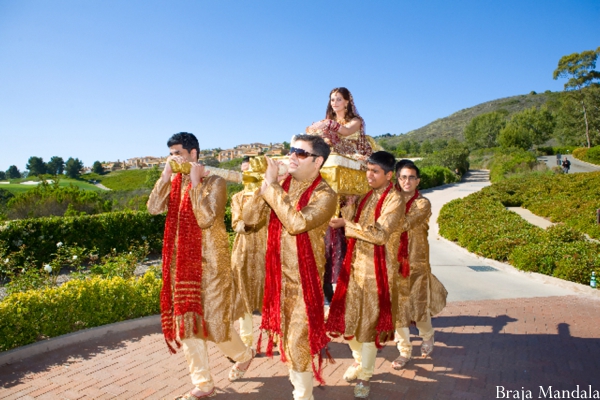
(551, 151)
(453, 157)
(54, 200)
(436, 176)
(511, 161)
(480, 223)
(573, 260)
(580, 153)
(593, 155)
(78, 304)
(117, 230)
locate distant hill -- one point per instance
(454, 125)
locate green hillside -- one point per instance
(453, 125)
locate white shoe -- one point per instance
(352, 372)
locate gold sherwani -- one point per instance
(208, 201)
(362, 299)
(314, 219)
(420, 295)
(247, 259)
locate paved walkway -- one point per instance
(500, 330)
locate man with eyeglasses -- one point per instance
(361, 309)
(417, 294)
(298, 207)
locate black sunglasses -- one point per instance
(301, 153)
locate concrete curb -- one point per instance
(70, 339)
(577, 288)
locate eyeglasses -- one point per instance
(404, 178)
(301, 153)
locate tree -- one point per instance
(97, 168)
(286, 147)
(405, 146)
(211, 162)
(439, 144)
(73, 167)
(13, 172)
(415, 147)
(528, 127)
(152, 176)
(579, 68)
(569, 121)
(2, 175)
(387, 147)
(426, 147)
(454, 157)
(36, 166)
(56, 166)
(482, 131)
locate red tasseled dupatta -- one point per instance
(311, 287)
(186, 296)
(336, 323)
(403, 249)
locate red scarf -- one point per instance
(186, 297)
(336, 323)
(403, 249)
(311, 287)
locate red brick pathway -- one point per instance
(515, 343)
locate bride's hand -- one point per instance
(320, 125)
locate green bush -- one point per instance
(552, 151)
(116, 230)
(54, 200)
(593, 155)
(462, 221)
(78, 304)
(511, 161)
(454, 157)
(481, 223)
(580, 153)
(436, 176)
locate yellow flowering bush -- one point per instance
(33, 315)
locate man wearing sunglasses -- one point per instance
(298, 207)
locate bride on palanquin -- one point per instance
(343, 128)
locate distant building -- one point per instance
(239, 151)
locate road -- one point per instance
(576, 165)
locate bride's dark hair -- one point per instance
(351, 111)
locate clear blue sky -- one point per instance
(113, 79)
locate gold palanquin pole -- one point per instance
(345, 175)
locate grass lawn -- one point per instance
(121, 180)
(16, 188)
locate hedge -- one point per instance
(78, 304)
(481, 223)
(591, 155)
(436, 176)
(116, 230)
